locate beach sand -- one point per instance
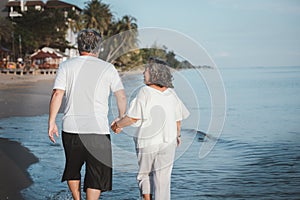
(26, 95)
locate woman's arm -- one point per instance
(123, 122)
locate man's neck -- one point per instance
(88, 54)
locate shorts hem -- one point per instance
(71, 179)
(102, 190)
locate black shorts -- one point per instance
(95, 151)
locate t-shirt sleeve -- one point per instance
(135, 109)
(181, 111)
(116, 83)
(60, 79)
(137, 106)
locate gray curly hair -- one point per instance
(160, 73)
(89, 41)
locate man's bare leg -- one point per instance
(74, 186)
(92, 194)
(147, 197)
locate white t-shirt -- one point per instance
(87, 82)
(159, 112)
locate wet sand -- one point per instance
(15, 159)
(26, 95)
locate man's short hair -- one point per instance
(89, 41)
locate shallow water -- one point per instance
(256, 157)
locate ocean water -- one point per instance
(256, 156)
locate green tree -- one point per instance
(171, 60)
(54, 31)
(98, 16)
(6, 29)
(119, 36)
(122, 38)
(41, 28)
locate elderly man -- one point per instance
(86, 82)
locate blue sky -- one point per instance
(235, 33)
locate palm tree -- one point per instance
(122, 37)
(98, 16)
(119, 36)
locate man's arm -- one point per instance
(178, 123)
(121, 102)
(55, 103)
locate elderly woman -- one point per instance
(157, 111)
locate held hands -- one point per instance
(114, 126)
(118, 124)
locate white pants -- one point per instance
(158, 161)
